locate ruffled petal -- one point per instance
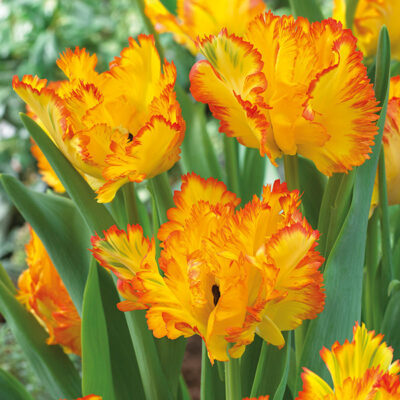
(124, 253)
(194, 188)
(344, 90)
(231, 82)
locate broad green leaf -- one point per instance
(343, 274)
(62, 230)
(183, 393)
(5, 278)
(95, 214)
(306, 8)
(198, 154)
(249, 362)
(390, 323)
(11, 388)
(109, 365)
(50, 363)
(211, 386)
(170, 5)
(272, 370)
(154, 380)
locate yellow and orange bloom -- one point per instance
(369, 17)
(227, 274)
(361, 369)
(206, 17)
(257, 398)
(89, 397)
(121, 125)
(281, 87)
(43, 293)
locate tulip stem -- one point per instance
(132, 215)
(232, 164)
(291, 165)
(161, 190)
(233, 379)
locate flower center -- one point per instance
(216, 293)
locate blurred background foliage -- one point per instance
(32, 34)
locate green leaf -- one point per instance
(11, 388)
(390, 323)
(95, 214)
(211, 386)
(170, 5)
(272, 370)
(4, 277)
(306, 8)
(62, 230)
(109, 365)
(249, 364)
(50, 363)
(198, 154)
(344, 268)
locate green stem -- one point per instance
(291, 166)
(232, 164)
(233, 379)
(351, 6)
(161, 190)
(132, 215)
(385, 224)
(150, 27)
(154, 381)
(252, 175)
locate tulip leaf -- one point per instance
(109, 366)
(390, 323)
(198, 154)
(306, 8)
(11, 388)
(95, 214)
(170, 5)
(211, 386)
(50, 363)
(343, 274)
(62, 230)
(5, 278)
(272, 370)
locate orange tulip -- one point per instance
(287, 87)
(206, 17)
(43, 293)
(115, 127)
(228, 274)
(360, 370)
(369, 17)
